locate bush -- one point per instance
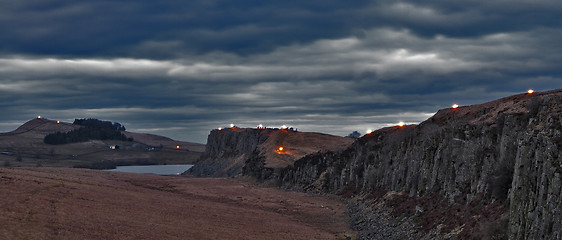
(354, 134)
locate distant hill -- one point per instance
(24, 147)
(157, 140)
(40, 127)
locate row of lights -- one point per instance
(399, 124)
(530, 91)
(260, 126)
(454, 106)
(39, 117)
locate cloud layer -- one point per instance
(181, 69)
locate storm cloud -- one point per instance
(181, 69)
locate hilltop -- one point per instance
(25, 147)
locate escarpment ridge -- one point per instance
(227, 150)
(495, 164)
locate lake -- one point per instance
(154, 169)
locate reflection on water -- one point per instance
(154, 169)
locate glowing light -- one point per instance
(283, 127)
(38, 117)
(401, 124)
(455, 106)
(260, 126)
(280, 150)
(231, 125)
(177, 146)
(58, 122)
(531, 91)
(220, 129)
(369, 131)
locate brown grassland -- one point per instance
(64, 203)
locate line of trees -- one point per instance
(92, 129)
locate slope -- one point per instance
(24, 147)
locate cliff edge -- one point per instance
(228, 150)
(491, 170)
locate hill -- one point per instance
(24, 147)
(228, 149)
(156, 140)
(486, 171)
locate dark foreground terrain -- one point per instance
(62, 203)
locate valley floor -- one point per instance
(64, 203)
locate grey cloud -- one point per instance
(137, 29)
(184, 67)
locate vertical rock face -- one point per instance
(227, 150)
(507, 150)
(536, 206)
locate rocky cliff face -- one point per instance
(488, 162)
(227, 150)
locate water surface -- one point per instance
(154, 169)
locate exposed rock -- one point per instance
(228, 150)
(474, 157)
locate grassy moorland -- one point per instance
(66, 203)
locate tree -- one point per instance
(92, 129)
(354, 134)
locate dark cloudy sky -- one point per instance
(182, 68)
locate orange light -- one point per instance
(280, 149)
(401, 124)
(455, 106)
(531, 91)
(369, 131)
(220, 129)
(38, 117)
(58, 122)
(177, 146)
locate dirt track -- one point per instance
(61, 203)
